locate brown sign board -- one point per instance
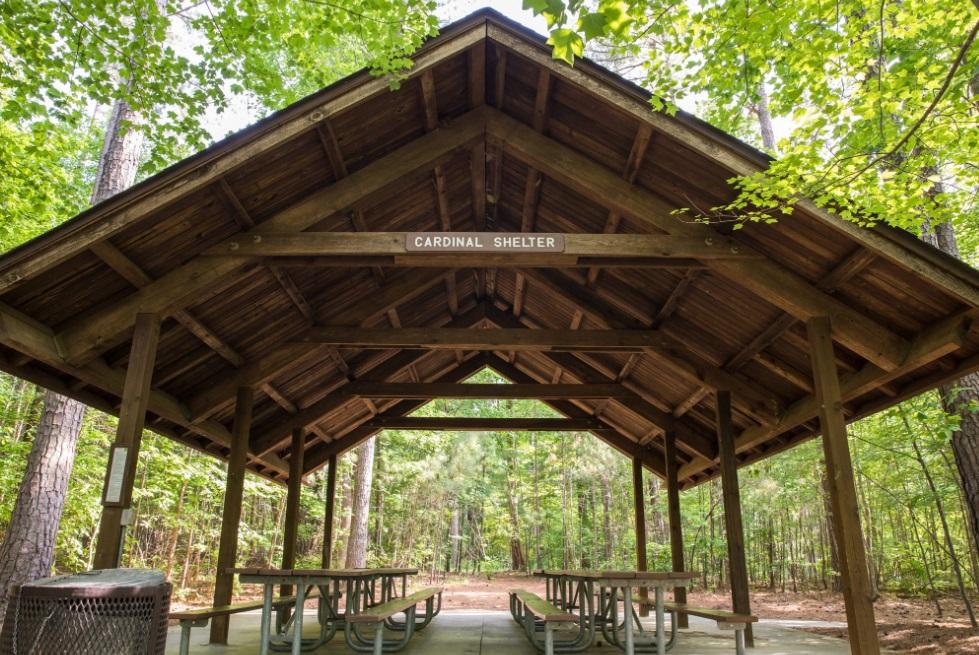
(483, 242)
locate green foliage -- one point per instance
(880, 98)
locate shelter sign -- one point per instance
(512, 242)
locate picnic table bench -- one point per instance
(199, 618)
(531, 611)
(724, 618)
(383, 613)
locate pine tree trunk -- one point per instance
(357, 545)
(378, 501)
(28, 548)
(27, 552)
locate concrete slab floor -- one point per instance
(495, 633)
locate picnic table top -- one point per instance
(619, 575)
(321, 573)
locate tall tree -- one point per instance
(27, 551)
(360, 513)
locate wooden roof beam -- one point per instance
(537, 391)
(220, 390)
(508, 424)
(588, 374)
(610, 435)
(136, 276)
(785, 289)
(944, 337)
(578, 248)
(488, 339)
(851, 266)
(278, 434)
(321, 453)
(245, 222)
(754, 402)
(24, 334)
(91, 334)
(640, 144)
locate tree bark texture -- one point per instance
(27, 552)
(28, 548)
(357, 545)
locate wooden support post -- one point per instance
(228, 547)
(331, 492)
(639, 497)
(843, 496)
(121, 470)
(293, 498)
(734, 529)
(676, 526)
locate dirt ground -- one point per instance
(905, 625)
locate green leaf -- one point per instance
(567, 44)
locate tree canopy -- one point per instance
(878, 101)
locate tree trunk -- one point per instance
(764, 118)
(347, 507)
(940, 506)
(456, 540)
(28, 549)
(378, 501)
(357, 544)
(27, 552)
(959, 399)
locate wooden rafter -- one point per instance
(640, 144)
(321, 453)
(776, 284)
(219, 391)
(611, 435)
(851, 266)
(137, 277)
(754, 402)
(932, 343)
(92, 334)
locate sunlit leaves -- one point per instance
(848, 84)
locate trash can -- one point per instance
(109, 612)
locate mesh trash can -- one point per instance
(111, 612)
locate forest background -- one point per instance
(880, 105)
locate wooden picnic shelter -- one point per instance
(268, 300)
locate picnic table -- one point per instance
(364, 588)
(596, 594)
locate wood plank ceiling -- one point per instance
(487, 134)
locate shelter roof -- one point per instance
(487, 134)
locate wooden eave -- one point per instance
(487, 133)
